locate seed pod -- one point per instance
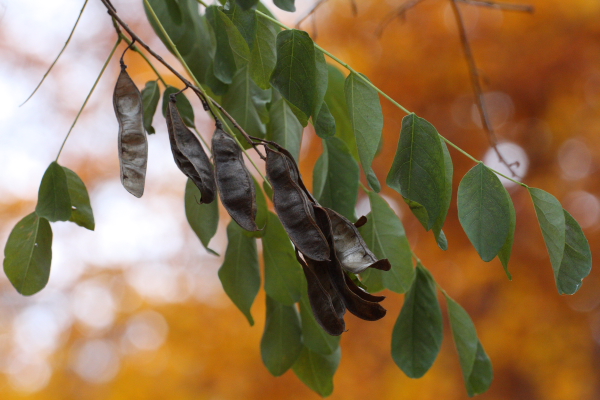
(361, 221)
(189, 154)
(328, 312)
(234, 181)
(357, 305)
(294, 208)
(133, 144)
(360, 292)
(351, 249)
(294, 171)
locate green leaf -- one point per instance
(506, 250)
(295, 71)
(285, 5)
(224, 63)
(281, 342)
(316, 370)
(284, 128)
(245, 21)
(577, 258)
(284, 280)
(262, 212)
(385, 236)
(551, 217)
(263, 56)
(240, 272)
(335, 98)
(183, 105)
(150, 97)
(315, 338)
(81, 209)
(54, 201)
(247, 104)
(367, 122)
(418, 172)
(335, 178)
(28, 254)
(321, 81)
(237, 40)
(203, 218)
(188, 30)
(474, 362)
(482, 375)
(246, 4)
(484, 211)
(325, 122)
(417, 335)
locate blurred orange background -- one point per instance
(137, 312)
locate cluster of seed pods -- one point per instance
(327, 244)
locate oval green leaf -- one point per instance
(284, 279)
(150, 97)
(263, 56)
(335, 178)
(506, 250)
(203, 218)
(417, 335)
(81, 209)
(551, 218)
(281, 342)
(285, 5)
(335, 98)
(183, 105)
(54, 201)
(385, 236)
(284, 128)
(577, 258)
(324, 123)
(28, 254)
(317, 370)
(240, 272)
(367, 122)
(474, 362)
(294, 75)
(419, 169)
(484, 211)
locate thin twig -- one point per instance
(400, 12)
(59, 54)
(354, 8)
(89, 94)
(501, 6)
(475, 81)
(310, 12)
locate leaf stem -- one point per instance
(59, 54)
(112, 52)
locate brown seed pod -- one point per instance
(189, 154)
(294, 170)
(133, 144)
(350, 247)
(294, 208)
(360, 292)
(356, 304)
(326, 304)
(236, 187)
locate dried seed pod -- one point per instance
(351, 249)
(361, 221)
(360, 292)
(189, 154)
(133, 144)
(328, 312)
(234, 181)
(357, 305)
(294, 171)
(294, 208)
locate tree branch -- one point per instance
(400, 12)
(501, 6)
(475, 82)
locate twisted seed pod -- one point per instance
(350, 247)
(356, 304)
(329, 312)
(236, 187)
(133, 144)
(294, 208)
(360, 292)
(189, 154)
